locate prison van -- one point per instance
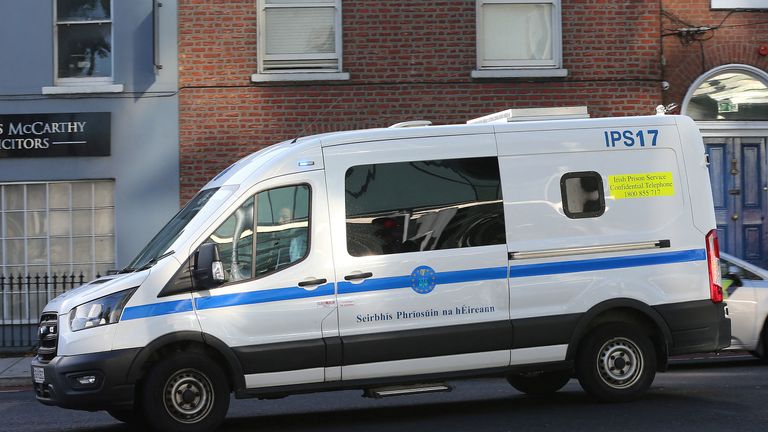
(395, 260)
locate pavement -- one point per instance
(15, 372)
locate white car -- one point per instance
(747, 298)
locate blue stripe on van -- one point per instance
(264, 296)
(396, 282)
(493, 273)
(157, 309)
(606, 263)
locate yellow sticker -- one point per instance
(646, 185)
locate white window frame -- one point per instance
(521, 68)
(739, 4)
(82, 84)
(298, 74)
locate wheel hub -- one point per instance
(620, 363)
(188, 396)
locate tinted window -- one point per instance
(583, 195)
(282, 228)
(424, 205)
(235, 241)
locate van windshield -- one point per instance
(153, 251)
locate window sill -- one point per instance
(83, 89)
(300, 76)
(519, 73)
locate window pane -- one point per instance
(14, 224)
(60, 223)
(85, 50)
(300, 31)
(15, 251)
(37, 224)
(424, 205)
(14, 197)
(730, 96)
(299, 1)
(83, 10)
(104, 221)
(583, 195)
(37, 251)
(82, 195)
(59, 195)
(36, 199)
(82, 250)
(81, 222)
(235, 241)
(103, 193)
(105, 249)
(517, 32)
(60, 250)
(282, 231)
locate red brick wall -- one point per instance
(737, 42)
(407, 60)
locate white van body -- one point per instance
(498, 255)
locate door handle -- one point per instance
(358, 276)
(312, 282)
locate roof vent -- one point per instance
(532, 114)
(412, 123)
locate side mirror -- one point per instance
(208, 268)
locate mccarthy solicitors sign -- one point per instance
(55, 135)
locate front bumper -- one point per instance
(111, 389)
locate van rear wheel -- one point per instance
(186, 392)
(616, 363)
(540, 383)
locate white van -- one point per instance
(392, 260)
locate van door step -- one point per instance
(381, 392)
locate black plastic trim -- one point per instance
(282, 356)
(112, 391)
(429, 342)
(696, 326)
(543, 331)
(587, 319)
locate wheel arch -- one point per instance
(624, 310)
(186, 341)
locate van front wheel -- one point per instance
(185, 392)
(616, 363)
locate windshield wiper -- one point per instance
(154, 261)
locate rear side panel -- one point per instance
(647, 245)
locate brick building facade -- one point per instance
(715, 59)
(405, 61)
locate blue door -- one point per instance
(737, 169)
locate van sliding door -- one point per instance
(418, 232)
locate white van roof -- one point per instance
(305, 153)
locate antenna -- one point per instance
(304, 129)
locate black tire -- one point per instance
(616, 363)
(185, 392)
(129, 416)
(540, 383)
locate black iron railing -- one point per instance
(22, 300)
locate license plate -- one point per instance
(38, 374)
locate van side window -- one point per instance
(423, 205)
(282, 227)
(583, 195)
(235, 240)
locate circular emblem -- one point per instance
(423, 280)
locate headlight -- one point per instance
(102, 311)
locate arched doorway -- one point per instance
(730, 106)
